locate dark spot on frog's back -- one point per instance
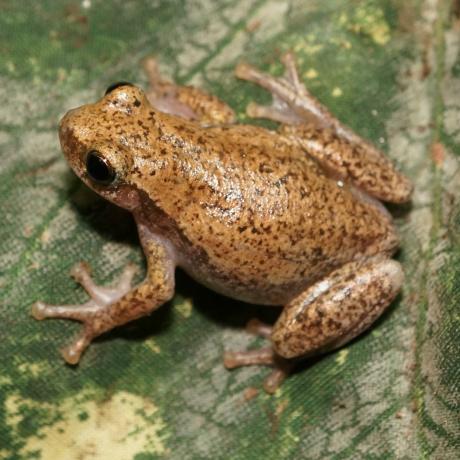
(263, 168)
(137, 103)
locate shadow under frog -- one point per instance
(288, 218)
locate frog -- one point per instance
(291, 217)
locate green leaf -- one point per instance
(157, 388)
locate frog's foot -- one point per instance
(162, 93)
(91, 314)
(325, 316)
(184, 101)
(292, 102)
(309, 125)
(261, 357)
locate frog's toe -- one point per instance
(41, 310)
(91, 314)
(72, 352)
(101, 299)
(276, 377)
(256, 327)
(285, 90)
(38, 310)
(81, 273)
(95, 314)
(261, 357)
(288, 82)
(292, 103)
(290, 71)
(277, 112)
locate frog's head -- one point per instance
(101, 142)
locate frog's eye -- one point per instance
(99, 169)
(117, 85)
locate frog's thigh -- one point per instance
(338, 308)
(185, 101)
(359, 163)
(323, 136)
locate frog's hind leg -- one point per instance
(185, 101)
(338, 308)
(325, 316)
(292, 102)
(307, 124)
(261, 357)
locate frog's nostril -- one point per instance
(117, 85)
(64, 123)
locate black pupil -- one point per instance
(117, 85)
(98, 169)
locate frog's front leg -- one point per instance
(112, 307)
(325, 316)
(185, 101)
(310, 126)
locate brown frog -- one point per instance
(286, 218)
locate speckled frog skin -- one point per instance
(287, 218)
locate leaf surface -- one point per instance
(157, 388)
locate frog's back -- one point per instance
(259, 220)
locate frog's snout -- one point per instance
(65, 120)
(71, 136)
(66, 126)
